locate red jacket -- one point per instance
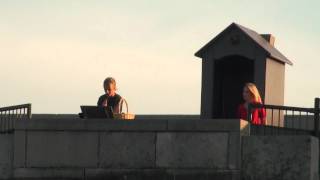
(258, 115)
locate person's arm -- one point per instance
(99, 103)
(263, 116)
(102, 101)
(116, 108)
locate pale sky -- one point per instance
(55, 54)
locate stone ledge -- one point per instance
(71, 124)
(160, 174)
(123, 174)
(91, 125)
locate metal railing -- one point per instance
(286, 120)
(9, 114)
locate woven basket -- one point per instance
(122, 115)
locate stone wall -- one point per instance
(164, 149)
(140, 149)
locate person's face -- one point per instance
(246, 95)
(110, 88)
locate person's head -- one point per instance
(109, 85)
(251, 93)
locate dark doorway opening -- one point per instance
(231, 73)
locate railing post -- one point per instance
(29, 111)
(8, 116)
(316, 116)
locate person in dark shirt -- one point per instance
(110, 98)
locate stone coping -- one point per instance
(76, 124)
(128, 174)
(138, 116)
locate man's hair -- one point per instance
(109, 80)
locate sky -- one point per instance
(55, 54)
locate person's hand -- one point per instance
(105, 103)
(116, 109)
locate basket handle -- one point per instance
(121, 104)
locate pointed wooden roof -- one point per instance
(257, 38)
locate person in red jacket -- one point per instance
(251, 95)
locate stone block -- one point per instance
(62, 149)
(192, 150)
(19, 149)
(204, 125)
(49, 173)
(127, 150)
(6, 155)
(280, 157)
(234, 153)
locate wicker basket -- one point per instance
(122, 115)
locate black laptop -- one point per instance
(96, 112)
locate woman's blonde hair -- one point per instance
(109, 80)
(254, 92)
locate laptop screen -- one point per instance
(96, 112)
